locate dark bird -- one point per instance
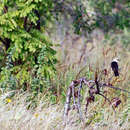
(114, 66)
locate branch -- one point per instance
(38, 21)
(38, 26)
(6, 42)
(70, 93)
(78, 104)
(25, 23)
(68, 100)
(105, 85)
(29, 27)
(73, 94)
(2, 40)
(93, 90)
(107, 100)
(5, 9)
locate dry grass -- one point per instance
(74, 56)
(15, 116)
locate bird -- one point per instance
(114, 66)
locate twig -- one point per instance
(25, 23)
(68, 100)
(78, 104)
(110, 86)
(80, 71)
(94, 89)
(107, 100)
(74, 101)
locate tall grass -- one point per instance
(76, 60)
(15, 116)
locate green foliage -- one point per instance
(8, 82)
(86, 15)
(29, 58)
(111, 14)
(80, 23)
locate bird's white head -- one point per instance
(116, 59)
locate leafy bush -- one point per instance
(29, 58)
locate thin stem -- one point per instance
(78, 104)
(107, 100)
(73, 96)
(105, 85)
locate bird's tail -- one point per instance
(116, 73)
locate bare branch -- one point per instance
(93, 89)
(110, 86)
(79, 98)
(107, 100)
(68, 100)
(73, 94)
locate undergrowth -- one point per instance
(20, 109)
